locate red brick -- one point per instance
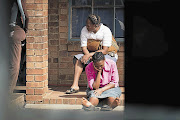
(30, 13)
(66, 101)
(30, 6)
(63, 17)
(63, 41)
(30, 65)
(66, 59)
(63, 29)
(29, 1)
(79, 101)
(34, 84)
(29, 91)
(59, 101)
(72, 101)
(34, 97)
(38, 102)
(29, 77)
(53, 48)
(40, 1)
(63, 5)
(46, 101)
(66, 71)
(29, 39)
(39, 52)
(38, 7)
(54, 42)
(40, 26)
(121, 71)
(63, 65)
(30, 102)
(52, 101)
(39, 91)
(35, 58)
(29, 52)
(36, 20)
(45, 83)
(53, 71)
(29, 46)
(41, 13)
(39, 78)
(45, 89)
(37, 32)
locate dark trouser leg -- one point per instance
(15, 56)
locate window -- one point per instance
(110, 11)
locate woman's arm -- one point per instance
(108, 86)
(99, 91)
(87, 55)
(96, 83)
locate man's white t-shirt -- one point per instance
(103, 34)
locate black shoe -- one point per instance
(71, 90)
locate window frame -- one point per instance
(70, 38)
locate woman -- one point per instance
(103, 78)
(94, 30)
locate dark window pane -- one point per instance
(119, 2)
(103, 2)
(106, 15)
(81, 2)
(79, 16)
(119, 22)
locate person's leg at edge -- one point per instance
(92, 101)
(77, 73)
(15, 57)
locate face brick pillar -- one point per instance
(37, 51)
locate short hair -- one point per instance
(98, 56)
(95, 19)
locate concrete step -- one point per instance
(56, 95)
(16, 100)
(62, 107)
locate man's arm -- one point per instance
(26, 14)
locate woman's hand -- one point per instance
(98, 92)
(85, 58)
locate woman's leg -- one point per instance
(78, 71)
(113, 102)
(92, 101)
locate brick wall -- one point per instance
(37, 51)
(61, 51)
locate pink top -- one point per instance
(109, 74)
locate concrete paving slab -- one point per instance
(63, 107)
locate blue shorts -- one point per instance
(113, 92)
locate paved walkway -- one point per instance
(63, 107)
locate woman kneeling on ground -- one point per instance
(102, 76)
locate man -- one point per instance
(19, 25)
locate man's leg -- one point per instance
(15, 57)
